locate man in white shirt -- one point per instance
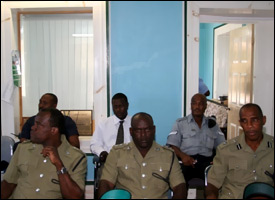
(105, 135)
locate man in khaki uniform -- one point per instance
(143, 167)
(47, 167)
(242, 160)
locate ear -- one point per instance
(54, 130)
(131, 131)
(264, 120)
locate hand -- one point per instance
(102, 157)
(53, 155)
(188, 161)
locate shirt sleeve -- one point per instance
(176, 176)
(96, 145)
(218, 171)
(71, 128)
(110, 170)
(220, 137)
(174, 137)
(12, 173)
(79, 173)
(26, 130)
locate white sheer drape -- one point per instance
(57, 61)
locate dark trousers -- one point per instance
(198, 171)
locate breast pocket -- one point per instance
(238, 171)
(189, 139)
(160, 172)
(126, 169)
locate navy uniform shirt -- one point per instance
(193, 140)
(236, 165)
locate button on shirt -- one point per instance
(36, 176)
(127, 169)
(193, 140)
(237, 165)
(104, 137)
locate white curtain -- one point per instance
(57, 57)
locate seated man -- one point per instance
(49, 100)
(143, 167)
(106, 134)
(47, 166)
(242, 160)
(193, 139)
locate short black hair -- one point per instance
(120, 96)
(249, 105)
(144, 115)
(57, 119)
(54, 97)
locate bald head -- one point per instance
(141, 115)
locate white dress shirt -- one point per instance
(104, 137)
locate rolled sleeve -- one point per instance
(174, 137)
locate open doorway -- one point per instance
(262, 16)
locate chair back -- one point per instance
(206, 174)
(258, 190)
(117, 194)
(6, 148)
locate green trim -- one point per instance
(108, 57)
(89, 182)
(185, 57)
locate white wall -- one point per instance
(263, 79)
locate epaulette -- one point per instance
(181, 119)
(167, 148)
(227, 144)
(121, 146)
(26, 141)
(78, 150)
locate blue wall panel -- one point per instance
(206, 64)
(146, 59)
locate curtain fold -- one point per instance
(56, 60)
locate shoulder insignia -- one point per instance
(239, 146)
(269, 144)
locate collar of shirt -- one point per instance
(190, 119)
(117, 120)
(262, 147)
(150, 154)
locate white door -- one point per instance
(240, 76)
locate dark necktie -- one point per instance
(120, 134)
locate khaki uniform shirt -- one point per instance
(36, 176)
(236, 165)
(127, 169)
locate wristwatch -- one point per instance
(62, 171)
